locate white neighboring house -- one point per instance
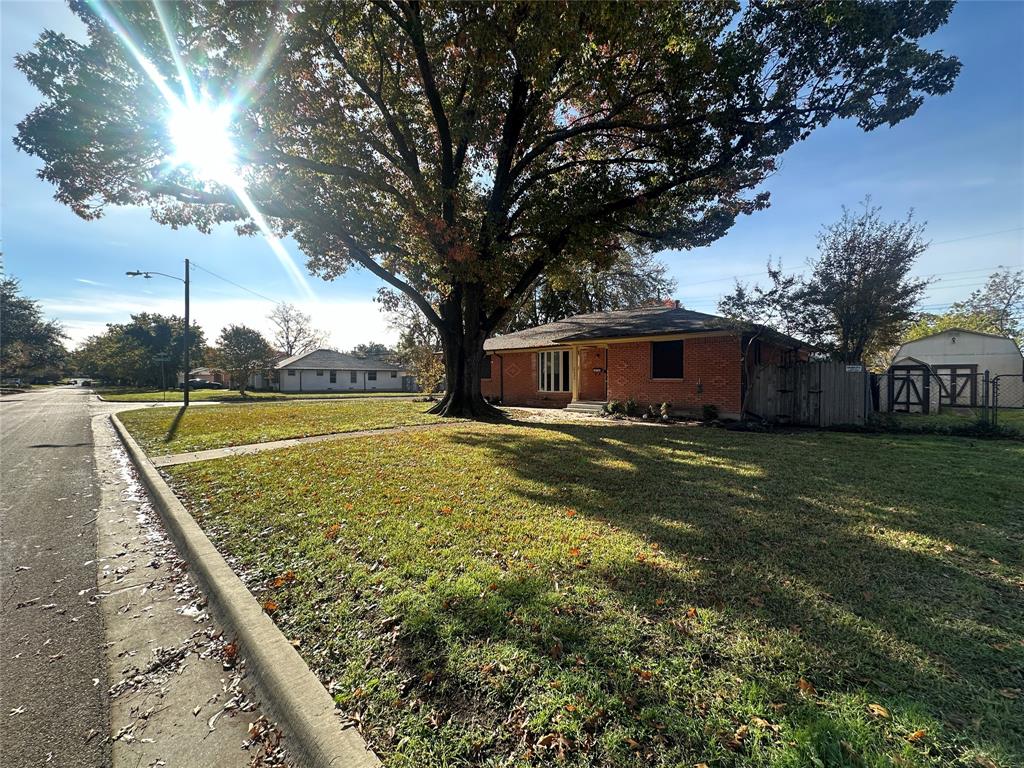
(958, 359)
(324, 370)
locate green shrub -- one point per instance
(632, 407)
(614, 406)
(709, 412)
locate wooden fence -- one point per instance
(817, 394)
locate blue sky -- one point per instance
(959, 163)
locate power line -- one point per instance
(941, 242)
(973, 237)
(237, 285)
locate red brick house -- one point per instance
(652, 355)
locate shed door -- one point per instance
(959, 384)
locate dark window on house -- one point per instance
(334, 377)
(352, 377)
(667, 359)
(485, 367)
(371, 375)
(394, 374)
(291, 373)
(319, 373)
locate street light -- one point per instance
(148, 274)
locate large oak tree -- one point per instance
(459, 150)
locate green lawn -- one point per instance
(954, 417)
(123, 395)
(588, 595)
(167, 430)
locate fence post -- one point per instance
(995, 400)
(985, 383)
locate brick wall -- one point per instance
(520, 382)
(711, 375)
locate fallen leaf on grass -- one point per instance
(760, 722)
(806, 687)
(269, 606)
(735, 743)
(555, 741)
(916, 736)
(879, 711)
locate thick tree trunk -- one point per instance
(463, 398)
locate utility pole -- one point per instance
(148, 274)
(188, 366)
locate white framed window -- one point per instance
(553, 371)
(371, 375)
(394, 374)
(319, 373)
(291, 373)
(352, 377)
(334, 377)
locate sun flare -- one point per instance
(201, 134)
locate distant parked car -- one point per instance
(85, 383)
(203, 384)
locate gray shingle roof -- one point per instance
(329, 359)
(649, 321)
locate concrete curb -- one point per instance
(292, 694)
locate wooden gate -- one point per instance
(909, 388)
(818, 394)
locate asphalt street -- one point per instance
(53, 706)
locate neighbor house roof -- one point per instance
(648, 321)
(330, 359)
(962, 330)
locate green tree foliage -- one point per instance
(458, 151)
(418, 349)
(373, 349)
(243, 352)
(859, 297)
(128, 353)
(998, 307)
(30, 345)
(635, 279)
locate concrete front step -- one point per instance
(586, 406)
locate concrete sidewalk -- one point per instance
(178, 693)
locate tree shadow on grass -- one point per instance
(883, 580)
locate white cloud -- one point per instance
(349, 322)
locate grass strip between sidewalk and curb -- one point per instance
(164, 431)
(292, 694)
